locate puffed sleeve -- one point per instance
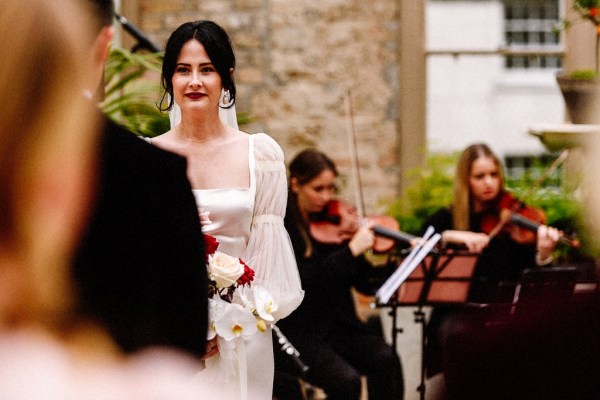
(269, 249)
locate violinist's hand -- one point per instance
(547, 238)
(212, 348)
(362, 240)
(474, 241)
(415, 241)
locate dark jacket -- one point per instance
(140, 267)
(336, 346)
(328, 277)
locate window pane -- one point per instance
(530, 25)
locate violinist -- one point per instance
(480, 198)
(337, 347)
(479, 222)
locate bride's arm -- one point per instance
(269, 250)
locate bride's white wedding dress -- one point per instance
(248, 223)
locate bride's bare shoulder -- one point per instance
(163, 138)
(166, 141)
(239, 135)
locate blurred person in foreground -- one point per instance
(140, 268)
(48, 349)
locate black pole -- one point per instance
(143, 41)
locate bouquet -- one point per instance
(236, 308)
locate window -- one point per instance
(530, 26)
(528, 168)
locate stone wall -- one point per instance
(297, 60)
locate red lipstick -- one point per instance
(194, 95)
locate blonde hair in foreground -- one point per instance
(47, 139)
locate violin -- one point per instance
(339, 221)
(519, 221)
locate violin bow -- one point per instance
(555, 164)
(360, 204)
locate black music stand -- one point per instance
(542, 285)
(442, 278)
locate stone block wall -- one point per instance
(297, 61)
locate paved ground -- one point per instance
(408, 343)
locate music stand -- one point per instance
(542, 285)
(440, 278)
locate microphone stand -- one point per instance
(142, 41)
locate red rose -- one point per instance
(248, 275)
(211, 243)
(593, 11)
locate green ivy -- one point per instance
(431, 190)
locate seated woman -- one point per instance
(337, 347)
(480, 197)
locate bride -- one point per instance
(239, 181)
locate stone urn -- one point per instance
(582, 98)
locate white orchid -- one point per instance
(216, 308)
(246, 300)
(235, 321)
(265, 304)
(230, 285)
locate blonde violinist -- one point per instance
(479, 221)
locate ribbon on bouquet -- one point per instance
(220, 369)
(408, 265)
(241, 353)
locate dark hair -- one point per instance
(218, 46)
(308, 164)
(102, 11)
(305, 167)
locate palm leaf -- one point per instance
(132, 91)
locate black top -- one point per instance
(328, 277)
(500, 264)
(140, 268)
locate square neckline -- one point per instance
(251, 169)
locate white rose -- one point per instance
(224, 269)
